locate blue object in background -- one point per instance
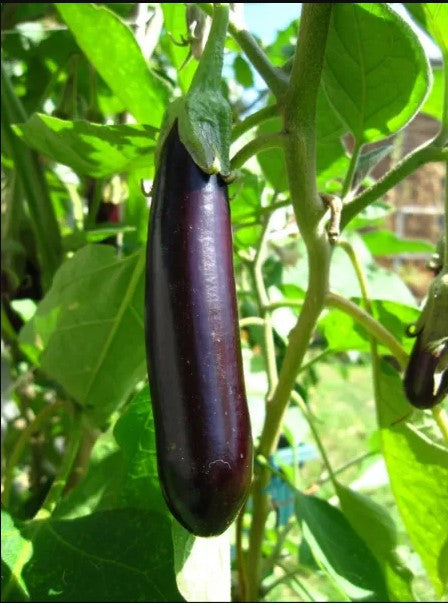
(282, 495)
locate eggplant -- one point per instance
(201, 418)
(419, 378)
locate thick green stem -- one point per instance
(442, 421)
(261, 143)
(276, 80)
(300, 155)
(427, 152)
(254, 120)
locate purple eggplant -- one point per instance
(419, 378)
(203, 435)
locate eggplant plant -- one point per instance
(213, 388)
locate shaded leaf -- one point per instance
(339, 550)
(103, 556)
(376, 527)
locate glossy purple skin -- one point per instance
(204, 444)
(419, 378)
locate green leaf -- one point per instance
(339, 551)
(376, 527)
(433, 18)
(436, 14)
(202, 565)
(418, 472)
(376, 74)
(112, 49)
(87, 332)
(369, 159)
(384, 242)
(434, 103)
(176, 27)
(332, 160)
(16, 551)
(90, 149)
(245, 194)
(243, 72)
(106, 554)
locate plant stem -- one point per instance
(309, 417)
(442, 421)
(275, 79)
(372, 326)
(254, 120)
(251, 320)
(60, 481)
(445, 257)
(345, 245)
(300, 155)
(351, 169)
(263, 301)
(242, 574)
(21, 443)
(287, 303)
(261, 143)
(208, 72)
(43, 218)
(429, 151)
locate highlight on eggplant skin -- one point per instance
(201, 418)
(419, 378)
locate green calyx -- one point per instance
(203, 115)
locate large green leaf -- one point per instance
(376, 74)
(112, 49)
(109, 555)
(87, 332)
(376, 527)
(436, 14)
(339, 551)
(418, 472)
(88, 148)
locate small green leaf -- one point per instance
(376, 74)
(243, 73)
(339, 551)
(91, 149)
(112, 49)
